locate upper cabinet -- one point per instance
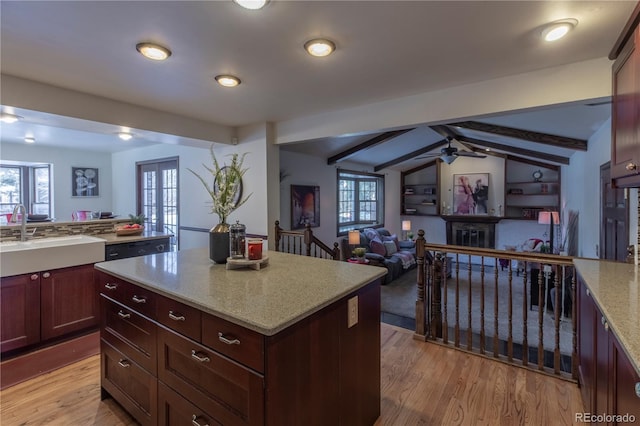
(625, 125)
(420, 192)
(530, 187)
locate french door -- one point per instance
(158, 195)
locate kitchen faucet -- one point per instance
(23, 220)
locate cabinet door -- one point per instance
(20, 310)
(625, 146)
(69, 301)
(603, 366)
(175, 410)
(626, 385)
(586, 346)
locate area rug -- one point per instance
(399, 296)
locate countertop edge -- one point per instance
(238, 320)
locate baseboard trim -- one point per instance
(33, 364)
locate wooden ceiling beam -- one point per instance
(520, 151)
(383, 137)
(543, 138)
(410, 155)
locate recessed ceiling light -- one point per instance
(227, 80)
(29, 139)
(319, 47)
(251, 4)
(153, 51)
(125, 136)
(5, 117)
(558, 29)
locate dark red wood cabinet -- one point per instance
(606, 376)
(179, 365)
(625, 120)
(20, 311)
(47, 305)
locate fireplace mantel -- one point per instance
(472, 218)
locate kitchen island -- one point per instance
(186, 340)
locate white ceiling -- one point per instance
(385, 50)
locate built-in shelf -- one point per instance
(530, 187)
(420, 193)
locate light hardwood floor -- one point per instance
(422, 384)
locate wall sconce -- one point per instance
(406, 226)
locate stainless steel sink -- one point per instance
(23, 257)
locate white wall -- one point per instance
(194, 208)
(308, 170)
(63, 159)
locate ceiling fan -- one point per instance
(450, 153)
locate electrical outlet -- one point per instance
(352, 315)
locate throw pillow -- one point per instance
(391, 248)
(371, 234)
(377, 247)
(393, 238)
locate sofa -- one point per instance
(384, 249)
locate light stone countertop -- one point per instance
(267, 301)
(615, 287)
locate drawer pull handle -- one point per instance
(176, 317)
(227, 341)
(195, 422)
(139, 299)
(46, 275)
(630, 167)
(110, 286)
(124, 363)
(199, 357)
(124, 315)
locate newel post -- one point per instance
(308, 238)
(421, 313)
(278, 235)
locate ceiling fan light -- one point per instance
(448, 158)
(153, 51)
(558, 29)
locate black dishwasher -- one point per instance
(136, 248)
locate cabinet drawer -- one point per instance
(130, 333)
(173, 409)
(243, 345)
(228, 391)
(113, 287)
(142, 300)
(179, 317)
(133, 387)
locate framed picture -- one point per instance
(85, 182)
(470, 193)
(305, 206)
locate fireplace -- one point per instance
(471, 231)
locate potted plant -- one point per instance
(225, 192)
(359, 253)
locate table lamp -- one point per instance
(354, 240)
(406, 226)
(544, 218)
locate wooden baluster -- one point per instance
(456, 326)
(496, 347)
(510, 313)
(525, 312)
(557, 309)
(436, 295)
(445, 297)
(469, 307)
(278, 235)
(482, 333)
(574, 351)
(541, 302)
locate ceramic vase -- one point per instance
(219, 243)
